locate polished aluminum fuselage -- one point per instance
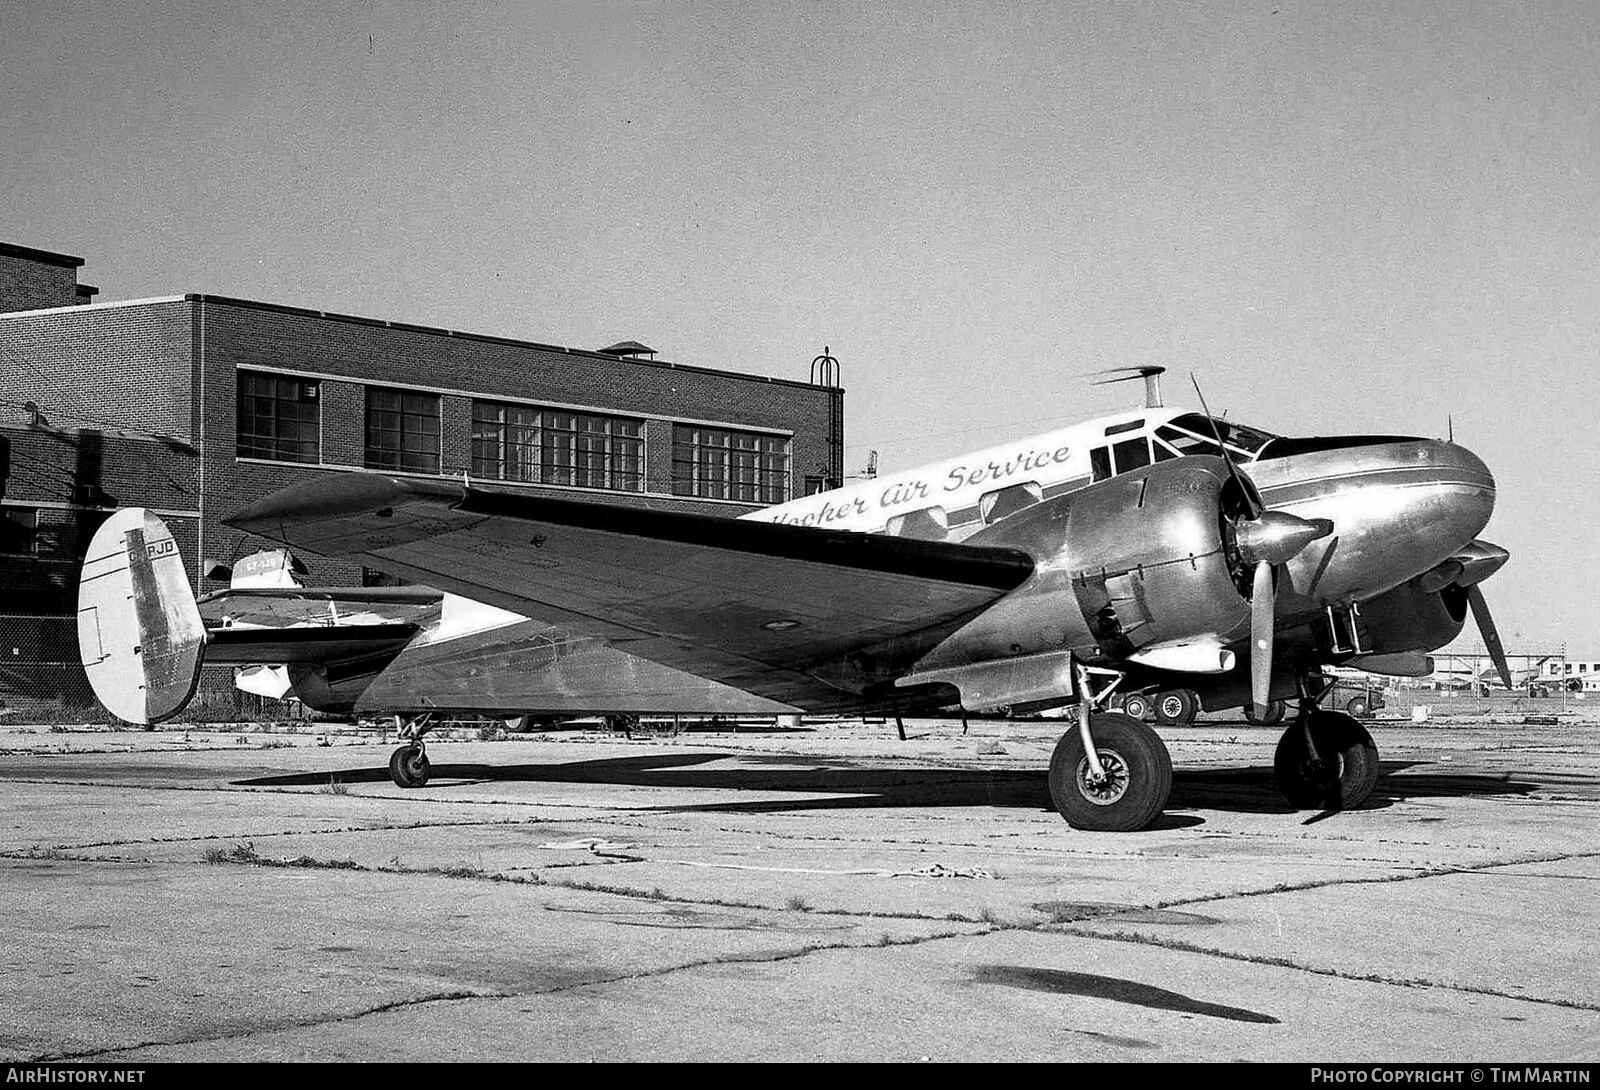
(1399, 508)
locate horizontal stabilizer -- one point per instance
(315, 644)
(139, 631)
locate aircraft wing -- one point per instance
(809, 617)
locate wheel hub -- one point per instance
(1103, 790)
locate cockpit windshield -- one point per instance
(1193, 433)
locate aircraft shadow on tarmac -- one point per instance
(849, 786)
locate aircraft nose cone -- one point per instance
(1466, 467)
(1462, 486)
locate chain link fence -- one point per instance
(42, 681)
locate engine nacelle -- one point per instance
(1134, 563)
(1409, 618)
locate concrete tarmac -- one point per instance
(828, 893)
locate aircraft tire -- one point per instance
(408, 766)
(1139, 776)
(1177, 707)
(1342, 779)
(1136, 705)
(1275, 710)
(1358, 708)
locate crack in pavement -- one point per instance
(1137, 939)
(1427, 872)
(754, 958)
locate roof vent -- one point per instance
(629, 350)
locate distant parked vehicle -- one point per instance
(1360, 701)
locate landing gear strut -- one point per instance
(1325, 759)
(1112, 774)
(408, 765)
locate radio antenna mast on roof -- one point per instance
(1151, 373)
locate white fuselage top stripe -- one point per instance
(958, 486)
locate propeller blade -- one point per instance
(1490, 634)
(1262, 619)
(1252, 508)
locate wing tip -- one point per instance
(350, 494)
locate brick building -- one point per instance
(194, 405)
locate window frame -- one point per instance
(719, 463)
(407, 427)
(561, 447)
(270, 443)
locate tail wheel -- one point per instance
(1136, 705)
(1275, 711)
(1137, 781)
(408, 766)
(1327, 761)
(1177, 707)
(1358, 707)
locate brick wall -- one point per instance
(108, 366)
(240, 335)
(34, 279)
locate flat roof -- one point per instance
(46, 257)
(485, 338)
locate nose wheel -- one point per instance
(1326, 760)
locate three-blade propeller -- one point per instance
(1266, 540)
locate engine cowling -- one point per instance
(1144, 560)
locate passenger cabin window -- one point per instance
(1100, 462)
(996, 505)
(929, 524)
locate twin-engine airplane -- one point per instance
(1153, 552)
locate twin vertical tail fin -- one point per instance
(139, 630)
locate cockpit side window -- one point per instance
(1131, 454)
(1184, 443)
(1183, 431)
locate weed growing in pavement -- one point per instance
(239, 853)
(797, 904)
(335, 786)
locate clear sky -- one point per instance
(1344, 217)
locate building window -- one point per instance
(19, 531)
(53, 534)
(279, 418)
(719, 464)
(402, 430)
(549, 446)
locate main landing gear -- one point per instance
(1325, 760)
(408, 765)
(1112, 774)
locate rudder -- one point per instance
(140, 635)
